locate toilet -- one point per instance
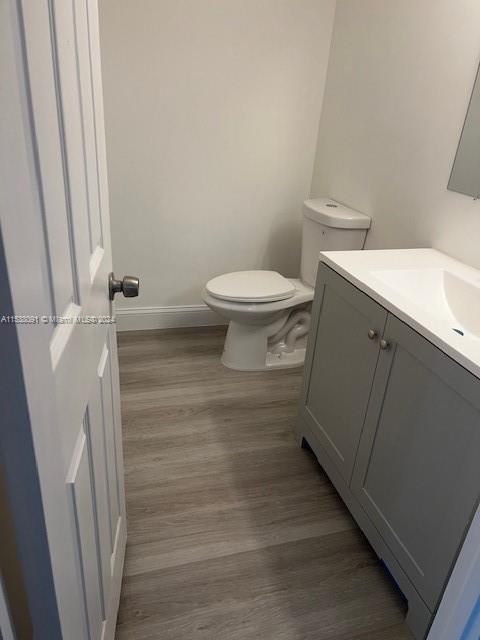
(269, 314)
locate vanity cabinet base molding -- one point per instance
(395, 423)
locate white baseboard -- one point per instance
(189, 315)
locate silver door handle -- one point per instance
(384, 344)
(372, 334)
(129, 286)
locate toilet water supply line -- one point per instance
(294, 328)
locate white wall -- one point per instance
(398, 86)
(212, 111)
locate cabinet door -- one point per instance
(417, 473)
(340, 365)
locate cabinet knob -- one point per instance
(384, 344)
(372, 334)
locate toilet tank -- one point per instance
(329, 226)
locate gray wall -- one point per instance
(212, 113)
(399, 81)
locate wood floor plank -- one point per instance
(318, 587)
(234, 533)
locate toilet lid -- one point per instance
(251, 286)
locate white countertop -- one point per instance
(430, 291)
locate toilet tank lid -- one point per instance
(333, 214)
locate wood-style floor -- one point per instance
(234, 533)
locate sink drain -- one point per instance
(459, 331)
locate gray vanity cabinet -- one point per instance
(417, 473)
(341, 364)
(395, 423)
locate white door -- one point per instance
(56, 234)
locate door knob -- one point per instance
(384, 344)
(129, 286)
(372, 334)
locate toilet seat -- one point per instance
(251, 286)
(226, 308)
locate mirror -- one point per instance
(465, 176)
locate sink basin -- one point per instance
(433, 293)
(463, 299)
(450, 299)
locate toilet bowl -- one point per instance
(268, 314)
(254, 338)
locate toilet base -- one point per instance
(273, 361)
(285, 360)
(247, 348)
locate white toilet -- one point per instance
(270, 315)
